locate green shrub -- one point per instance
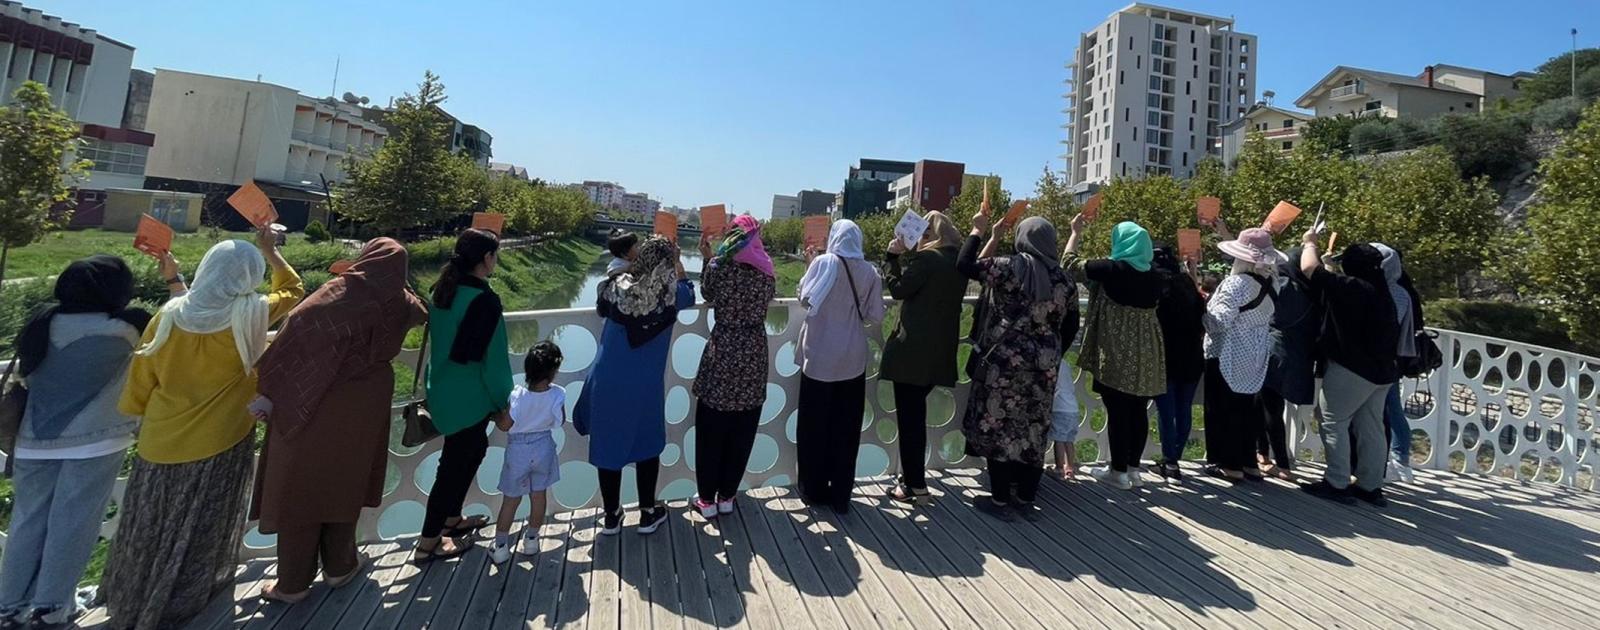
(1517, 321)
(1560, 114)
(1374, 136)
(317, 233)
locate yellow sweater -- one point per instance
(193, 392)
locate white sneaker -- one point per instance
(1113, 478)
(528, 546)
(1392, 471)
(1136, 476)
(725, 506)
(500, 554)
(708, 509)
(1406, 475)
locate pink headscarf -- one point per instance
(746, 245)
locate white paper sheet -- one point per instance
(910, 228)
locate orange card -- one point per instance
(816, 234)
(1015, 213)
(340, 266)
(984, 209)
(1208, 209)
(491, 221)
(1281, 216)
(713, 220)
(1091, 208)
(1189, 244)
(667, 225)
(253, 205)
(1331, 240)
(152, 237)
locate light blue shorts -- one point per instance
(1064, 413)
(530, 465)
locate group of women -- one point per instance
(188, 385)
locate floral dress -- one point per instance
(733, 369)
(1008, 407)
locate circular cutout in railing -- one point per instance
(1469, 435)
(777, 320)
(871, 461)
(686, 352)
(424, 473)
(391, 476)
(577, 486)
(1484, 458)
(953, 447)
(400, 519)
(1515, 362)
(1556, 372)
(1551, 471)
(784, 361)
(790, 425)
(560, 438)
(941, 406)
(1455, 432)
(689, 316)
(1528, 466)
(676, 490)
(1555, 437)
(670, 454)
(1421, 447)
(489, 471)
(885, 392)
(677, 404)
(866, 417)
(573, 390)
(688, 448)
(1508, 439)
(963, 354)
(777, 481)
(578, 347)
(777, 398)
(1585, 386)
(522, 333)
(1472, 364)
(1458, 462)
(254, 539)
(763, 454)
(888, 430)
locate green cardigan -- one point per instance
(922, 348)
(461, 394)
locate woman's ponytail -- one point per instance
(471, 248)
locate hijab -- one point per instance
(223, 297)
(354, 321)
(642, 299)
(97, 284)
(743, 244)
(844, 242)
(1131, 244)
(1393, 270)
(941, 233)
(1036, 254)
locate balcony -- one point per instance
(303, 136)
(1348, 92)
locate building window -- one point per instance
(1116, 150)
(1135, 134)
(114, 157)
(1288, 144)
(1191, 124)
(1185, 158)
(1191, 37)
(1288, 124)
(1119, 77)
(1452, 108)
(1185, 88)
(1124, 169)
(1130, 42)
(1191, 139)
(1244, 46)
(1126, 112)
(1373, 105)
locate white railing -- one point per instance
(1497, 407)
(1346, 91)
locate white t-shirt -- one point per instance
(537, 411)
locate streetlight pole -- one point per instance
(1574, 61)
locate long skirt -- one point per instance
(177, 543)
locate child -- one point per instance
(1064, 419)
(530, 465)
(623, 248)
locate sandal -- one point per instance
(271, 593)
(1213, 470)
(336, 582)
(465, 526)
(906, 494)
(425, 555)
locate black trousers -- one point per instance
(722, 442)
(1127, 426)
(827, 437)
(1233, 422)
(645, 475)
(911, 407)
(1013, 481)
(1273, 439)
(458, 466)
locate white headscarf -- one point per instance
(1392, 270)
(223, 296)
(844, 241)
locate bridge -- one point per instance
(1501, 528)
(640, 226)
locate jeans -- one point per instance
(1013, 481)
(911, 408)
(458, 465)
(645, 475)
(1273, 440)
(722, 443)
(828, 437)
(1127, 427)
(1175, 416)
(1399, 425)
(1352, 408)
(55, 523)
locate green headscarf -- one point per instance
(1131, 244)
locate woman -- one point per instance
(73, 354)
(921, 352)
(842, 295)
(1182, 334)
(1408, 313)
(622, 405)
(469, 386)
(1237, 320)
(738, 282)
(191, 380)
(328, 383)
(1358, 368)
(1027, 309)
(1122, 343)
(1296, 320)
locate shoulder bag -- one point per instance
(13, 403)
(419, 423)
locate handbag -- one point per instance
(13, 403)
(419, 423)
(1428, 359)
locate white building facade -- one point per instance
(606, 194)
(785, 206)
(1279, 127)
(1437, 90)
(1151, 89)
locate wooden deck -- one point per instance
(1449, 552)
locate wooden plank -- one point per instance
(813, 594)
(726, 608)
(635, 593)
(694, 598)
(470, 572)
(755, 588)
(400, 592)
(355, 603)
(925, 603)
(492, 592)
(248, 604)
(539, 608)
(666, 612)
(768, 560)
(571, 606)
(221, 608)
(869, 590)
(605, 580)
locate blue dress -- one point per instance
(626, 415)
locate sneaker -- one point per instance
(500, 553)
(1392, 471)
(11, 618)
(652, 519)
(52, 617)
(1374, 497)
(1118, 480)
(725, 506)
(613, 524)
(1406, 475)
(1324, 490)
(707, 509)
(1136, 476)
(1172, 471)
(528, 546)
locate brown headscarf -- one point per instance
(941, 233)
(353, 322)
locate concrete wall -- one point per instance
(785, 206)
(1416, 102)
(106, 84)
(211, 129)
(179, 210)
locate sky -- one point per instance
(714, 101)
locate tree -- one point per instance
(970, 200)
(1562, 256)
(1553, 78)
(1157, 203)
(36, 140)
(1330, 135)
(1375, 135)
(1053, 201)
(783, 236)
(414, 178)
(1491, 144)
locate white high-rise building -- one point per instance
(1150, 90)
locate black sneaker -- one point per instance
(613, 523)
(651, 520)
(1324, 490)
(1374, 497)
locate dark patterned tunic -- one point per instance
(733, 370)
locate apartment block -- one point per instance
(1150, 91)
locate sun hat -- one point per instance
(1253, 245)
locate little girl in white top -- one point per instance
(531, 467)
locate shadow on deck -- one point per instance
(1449, 551)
